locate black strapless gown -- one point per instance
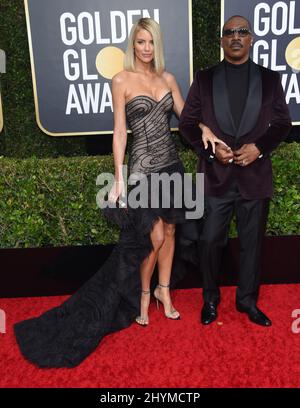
(65, 335)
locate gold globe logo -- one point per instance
(109, 61)
(292, 54)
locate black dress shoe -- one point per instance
(209, 312)
(255, 315)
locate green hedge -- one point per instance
(51, 202)
(22, 137)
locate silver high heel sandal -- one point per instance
(142, 320)
(173, 314)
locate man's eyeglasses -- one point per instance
(241, 32)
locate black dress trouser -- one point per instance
(251, 216)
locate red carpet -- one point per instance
(232, 352)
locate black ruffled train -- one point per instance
(110, 300)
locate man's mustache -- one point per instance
(236, 43)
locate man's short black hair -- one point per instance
(237, 16)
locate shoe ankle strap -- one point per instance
(163, 286)
(146, 292)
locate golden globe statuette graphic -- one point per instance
(292, 54)
(109, 61)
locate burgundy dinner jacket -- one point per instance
(265, 122)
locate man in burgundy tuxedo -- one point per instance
(243, 104)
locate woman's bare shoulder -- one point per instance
(168, 76)
(121, 77)
(170, 79)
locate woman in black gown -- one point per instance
(119, 293)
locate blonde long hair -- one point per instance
(153, 28)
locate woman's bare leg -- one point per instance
(147, 268)
(165, 260)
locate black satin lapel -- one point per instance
(254, 101)
(221, 101)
